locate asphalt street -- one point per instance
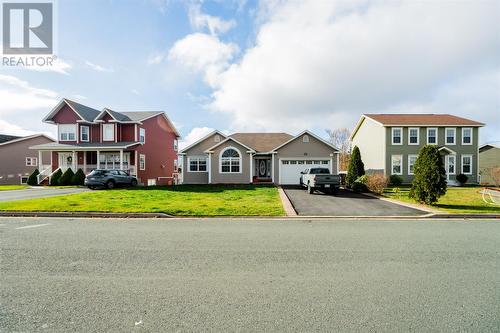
(110, 275)
(38, 192)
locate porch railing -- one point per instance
(45, 171)
(89, 167)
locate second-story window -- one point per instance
(176, 145)
(108, 131)
(84, 133)
(397, 136)
(466, 136)
(432, 135)
(413, 136)
(142, 135)
(450, 135)
(67, 132)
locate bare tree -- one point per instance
(340, 139)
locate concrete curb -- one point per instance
(287, 204)
(404, 204)
(84, 214)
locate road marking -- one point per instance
(33, 226)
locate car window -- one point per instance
(114, 172)
(97, 173)
(319, 171)
(122, 173)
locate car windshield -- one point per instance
(97, 173)
(319, 171)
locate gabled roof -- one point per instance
(422, 120)
(250, 149)
(308, 133)
(491, 144)
(20, 138)
(5, 138)
(201, 140)
(262, 142)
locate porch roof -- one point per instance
(85, 146)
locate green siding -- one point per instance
(405, 149)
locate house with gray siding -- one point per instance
(17, 160)
(390, 143)
(489, 159)
(255, 158)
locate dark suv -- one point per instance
(109, 179)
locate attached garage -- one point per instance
(290, 168)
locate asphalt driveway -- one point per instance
(38, 192)
(346, 203)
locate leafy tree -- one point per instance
(66, 177)
(33, 179)
(396, 180)
(54, 179)
(78, 178)
(429, 182)
(356, 167)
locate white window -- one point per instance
(450, 136)
(397, 136)
(450, 164)
(411, 163)
(413, 136)
(176, 165)
(84, 133)
(217, 138)
(152, 182)
(142, 162)
(142, 135)
(197, 164)
(31, 161)
(67, 132)
(108, 132)
(305, 138)
(467, 164)
(24, 179)
(230, 161)
(397, 165)
(176, 145)
(466, 136)
(432, 136)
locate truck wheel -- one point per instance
(110, 184)
(334, 191)
(310, 190)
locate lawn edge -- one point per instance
(287, 204)
(405, 204)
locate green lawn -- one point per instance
(456, 200)
(183, 200)
(12, 187)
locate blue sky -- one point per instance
(266, 66)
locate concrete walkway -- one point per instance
(38, 192)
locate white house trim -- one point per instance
(418, 136)
(437, 135)
(401, 136)
(471, 136)
(240, 158)
(202, 139)
(454, 136)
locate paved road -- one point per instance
(346, 203)
(63, 275)
(38, 192)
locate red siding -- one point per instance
(159, 151)
(127, 132)
(95, 133)
(65, 116)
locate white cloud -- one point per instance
(156, 59)
(135, 92)
(203, 53)
(323, 63)
(214, 24)
(98, 68)
(11, 129)
(58, 66)
(194, 135)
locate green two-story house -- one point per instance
(390, 143)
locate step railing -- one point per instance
(46, 172)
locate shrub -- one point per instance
(362, 179)
(66, 177)
(356, 167)
(396, 180)
(33, 179)
(429, 182)
(462, 179)
(78, 178)
(376, 183)
(359, 187)
(54, 179)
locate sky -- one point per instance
(265, 66)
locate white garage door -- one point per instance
(290, 168)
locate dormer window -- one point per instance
(217, 138)
(142, 135)
(305, 138)
(67, 132)
(108, 131)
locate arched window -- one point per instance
(305, 138)
(230, 160)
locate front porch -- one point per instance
(262, 171)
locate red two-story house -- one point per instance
(144, 143)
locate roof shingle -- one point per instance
(262, 142)
(422, 119)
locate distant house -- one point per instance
(255, 157)
(489, 158)
(390, 143)
(17, 160)
(143, 143)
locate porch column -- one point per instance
(272, 167)
(98, 158)
(331, 163)
(85, 162)
(209, 168)
(74, 161)
(39, 161)
(251, 167)
(121, 159)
